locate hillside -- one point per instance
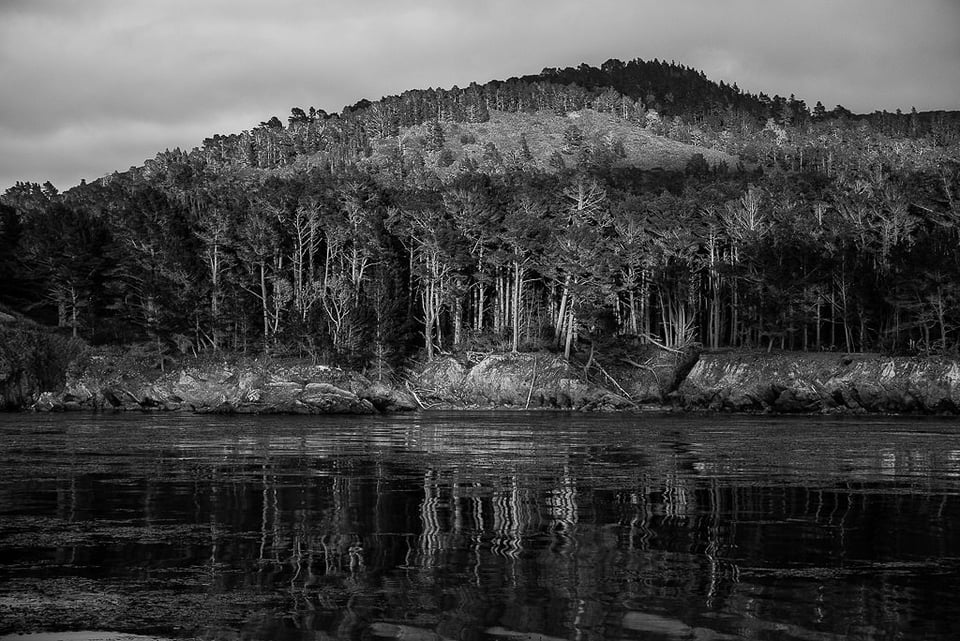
(665, 99)
(599, 137)
(645, 205)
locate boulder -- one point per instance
(388, 398)
(507, 379)
(48, 402)
(324, 398)
(535, 380)
(441, 378)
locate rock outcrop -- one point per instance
(732, 381)
(793, 382)
(248, 387)
(514, 381)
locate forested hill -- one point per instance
(543, 211)
(656, 94)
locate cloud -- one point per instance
(126, 79)
(66, 154)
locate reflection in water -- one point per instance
(488, 526)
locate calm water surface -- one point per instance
(481, 527)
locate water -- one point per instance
(480, 527)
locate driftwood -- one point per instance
(626, 395)
(415, 397)
(592, 362)
(646, 367)
(533, 381)
(657, 343)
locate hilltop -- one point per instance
(662, 99)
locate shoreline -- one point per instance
(745, 382)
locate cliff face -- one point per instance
(822, 382)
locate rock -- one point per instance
(325, 398)
(388, 398)
(791, 401)
(545, 379)
(822, 382)
(504, 379)
(48, 402)
(111, 397)
(441, 378)
(79, 393)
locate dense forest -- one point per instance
(493, 217)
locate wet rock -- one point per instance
(111, 397)
(388, 398)
(794, 400)
(328, 399)
(48, 402)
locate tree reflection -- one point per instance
(434, 533)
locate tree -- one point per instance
(67, 250)
(259, 250)
(426, 234)
(522, 239)
(435, 136)
(632, 249)
(469, 203)
(11, 232)
(526, 155)
(154, 284)
(673, 227)
(578, 253)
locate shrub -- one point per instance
(445, 159)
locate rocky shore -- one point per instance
(117, 381)
(246, 386)
(630, 379)
(824, 382)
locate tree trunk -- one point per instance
(428, 320)
(264, 307)
(561, 313)
(517, 300)
(457, 320)
(571, 328)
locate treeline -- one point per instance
(672, 99)
(340, 266)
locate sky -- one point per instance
(88, 87)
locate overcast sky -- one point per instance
(88, 87)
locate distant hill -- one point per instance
(638, 102)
